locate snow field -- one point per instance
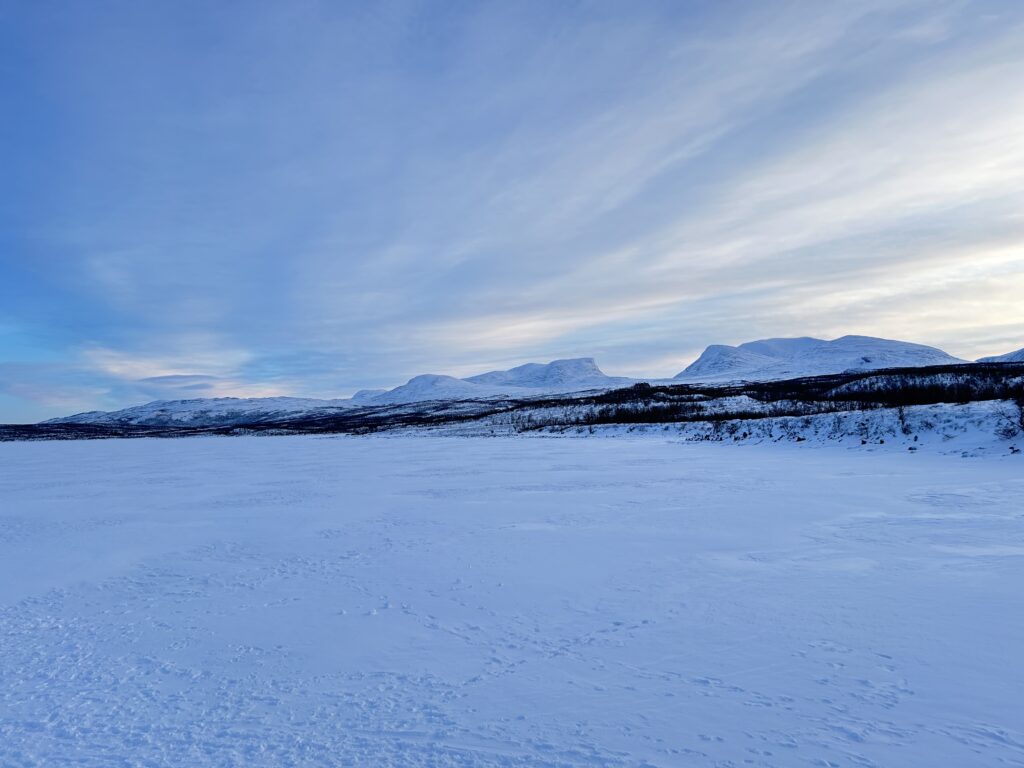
(426, 601)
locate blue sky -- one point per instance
(259, 198)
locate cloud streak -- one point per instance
(322, 197)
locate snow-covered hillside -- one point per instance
(1009, 357)
(207, 411)
(790, 358)
(720, 361)
(969, 429)
(431, 386)
(558, 376)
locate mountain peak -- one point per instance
(579, 370)
(807, 356)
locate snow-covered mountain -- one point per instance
(1009, 357)
(204, 412)
(721, 361)
(558, 376)
(366, 395)
(527, 380)
(755, 360)
(578, 373)
(431, 386)
(805, 356)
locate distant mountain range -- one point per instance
(207, 412)
(764, 360)
(528, 380)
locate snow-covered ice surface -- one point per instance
(415, 601)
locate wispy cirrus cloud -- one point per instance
(321, 197)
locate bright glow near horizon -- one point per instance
(310, 198)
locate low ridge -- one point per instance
(1009, 357)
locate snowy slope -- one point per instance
(206, 411)
(558, 376)
(562, 375)
(1009, 357)
(431, 386)
(366, 395)
(722, 361)
(782, 348)
(790, 358)
(970, 429)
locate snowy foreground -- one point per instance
(415, 601)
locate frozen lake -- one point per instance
(417, 601)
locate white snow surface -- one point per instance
(1009, 357)
(791, 358)
(427, 601)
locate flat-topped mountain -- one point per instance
(578, 372)
(524, 380)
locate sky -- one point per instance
(249, 198)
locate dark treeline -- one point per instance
(856, 391)
(906, 387)
(647, 412)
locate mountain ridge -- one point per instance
(767, 359)
(759, 360)
(1017, 356)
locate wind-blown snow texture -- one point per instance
(507, 602)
